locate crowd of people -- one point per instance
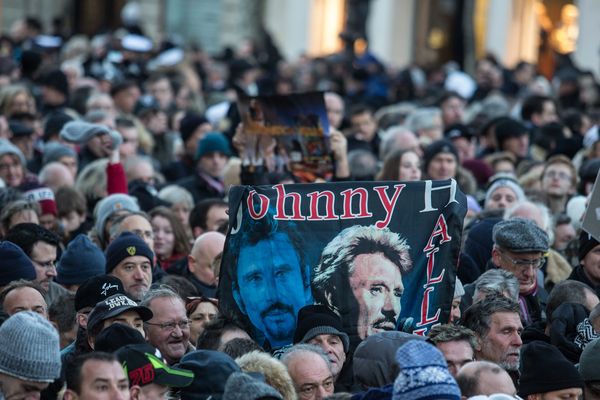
(116, 157)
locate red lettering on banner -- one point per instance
(363, 207)
(314, 205)
(425, 309)
(264, 205)
(387, 204)
(440, 229)
(280, 207)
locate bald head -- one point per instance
(484, 378)
(55, 175)
(206, 247)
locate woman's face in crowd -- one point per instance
(503, 197)
(410, 167)
(204, 312)
(164, 238)
(11, 170)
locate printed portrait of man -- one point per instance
(359, 276)
(270, 278)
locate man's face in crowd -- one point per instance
(100, 145)
(43, 256)
(19, 389)
(141, 227)
(563, 234)
(502, 343)
(162, 91)
(442, 166)
(376, 284)
(213, 164)
(11, 170)
(129, 318)
(591, 265)
(152, 391)
(216, 216)
(70, 163)
(311, 376)
(457, 353)
(557, 181)
(519, 146)
(547, 115)
(125, 99)
(502, 198)
(172, 342)
(333, 346)
(465, 148)
(524, 271)
(435, 130)
(565, 394)
(130, 144)
(101, 380)
(271, 287)
(453, 110)
(335, 110)
(25, 299)
(363, 126)
(136, 274)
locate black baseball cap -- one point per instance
(96, 289)
(116, 305)
(143, 365)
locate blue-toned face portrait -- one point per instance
(271, 287)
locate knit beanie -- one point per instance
(14, 264)
(213, 142)
(501, 182)
(6, 147)
(437, 147)
(107, 206)
(71, 270)
(241, 386)
(189, 123)
(423, 374)
(589, 361)
(128, 244)
(586, 244)
(57, 80)
(82, 131)
(315, 320)
(29, 348)
(44, 196)
(544, 369)
(54, 151)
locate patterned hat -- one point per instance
(423, 374)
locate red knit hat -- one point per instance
(45, 198)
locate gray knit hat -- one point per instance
(520, 235)
(108, 205)
(29, 348)
(500, 182)
(53, 151)
(241, 386)
(6, 147)
(81, 132)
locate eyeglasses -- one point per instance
(170, 326)
(535, 263)
(563, 176)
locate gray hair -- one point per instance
(176, 194)
(115, 229)
(547, 220)
(362, 164)
(390, 138)
(304, 348)
(91, 182)
(162, 291)
(497, 281)
(422, 118)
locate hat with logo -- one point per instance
(315, 320)
(143, 365)
(127, 244)
(44, 196)
(96, 289)
(116, 305)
